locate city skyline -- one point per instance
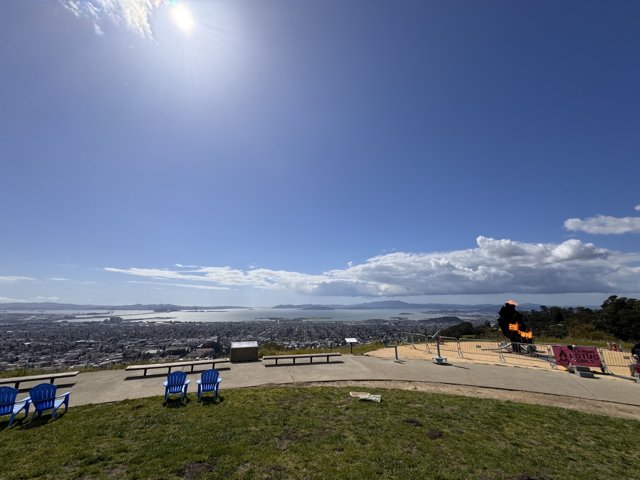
(261, 152)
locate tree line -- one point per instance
(617, 318)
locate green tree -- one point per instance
(620, 316)
(458, 330)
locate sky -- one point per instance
(256, 152)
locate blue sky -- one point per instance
(319, 151)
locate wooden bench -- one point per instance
(171, 365)
(35, 378)
(310, 356)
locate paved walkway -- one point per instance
(115, 385)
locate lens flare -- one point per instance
(182, 17)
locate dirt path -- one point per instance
(588, 406)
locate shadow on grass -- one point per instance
(176, 402)
(34, 422)
(209, 400)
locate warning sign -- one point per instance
(566, 355)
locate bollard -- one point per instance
(397, 360)
(439, 359)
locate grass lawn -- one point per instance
(322, 433)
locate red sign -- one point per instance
(567, 355)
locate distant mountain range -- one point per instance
(399, 305)
(167, 307)
(161, 307)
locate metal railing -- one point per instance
(447, 345)
(533, 354)
(485, 349)
(615, 358)
(411, 339)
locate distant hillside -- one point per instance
(306, 306)
(400, 305)
(165, 307)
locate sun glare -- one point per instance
(182, 17)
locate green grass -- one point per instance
(584, 342)
(21, 372)
(321, 433)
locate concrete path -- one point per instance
(115, 385)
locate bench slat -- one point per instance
(302, 355)
(171, 365)
(310, 356)
(34, 378)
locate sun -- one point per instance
(182, 17)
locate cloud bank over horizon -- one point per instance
(493, 266)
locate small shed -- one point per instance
(244, 352)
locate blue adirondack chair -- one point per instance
(9, 406)
(208, 382)
(176, 383)
(44, 398)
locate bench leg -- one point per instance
(51, 381)
(310, 359)
(145, 373)
(17, 385)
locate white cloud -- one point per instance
(184, 285)
(604, 225)
(133, 14)
(14, 279)
(46, 299)
(637, 207)
(59, 279)
(493, 266)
